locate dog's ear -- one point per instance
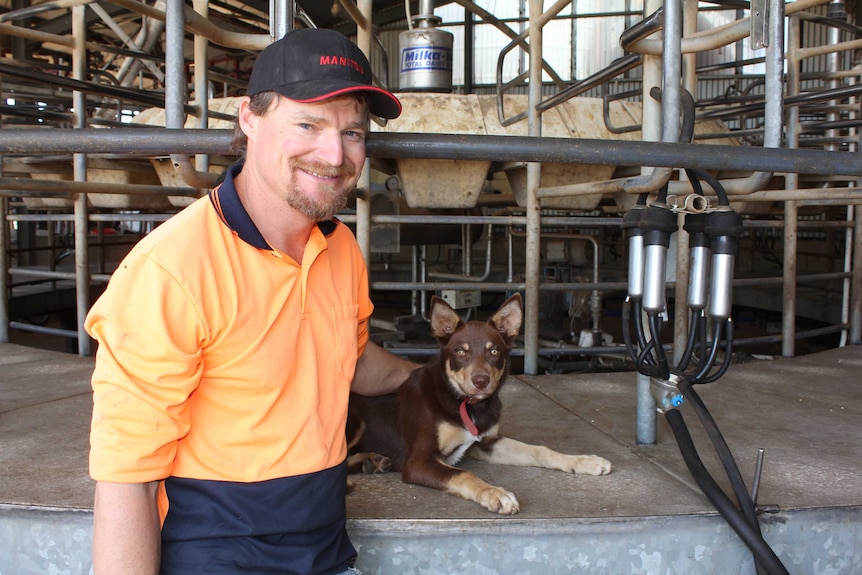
(508, 318)
(444, 320)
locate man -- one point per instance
(230, 337)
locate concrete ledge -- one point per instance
(38, 540)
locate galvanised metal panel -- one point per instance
(809, 542)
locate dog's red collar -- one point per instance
(465, 417)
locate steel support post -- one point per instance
(364, 36)
(856, 283)
(82, 225)
(4, 270)
(791, 181)
(201, 79)
(534, 176)
(651, 132)
(281, 18)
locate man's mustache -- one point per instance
(325, 170)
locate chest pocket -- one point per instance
(346, 322)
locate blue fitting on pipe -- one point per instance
(666, 394)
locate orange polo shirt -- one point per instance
(221, 358)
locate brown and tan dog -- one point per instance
(451, 405)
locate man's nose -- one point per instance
(330, 148)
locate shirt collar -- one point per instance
(227, 204)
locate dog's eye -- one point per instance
(494, 351)
(460, 352)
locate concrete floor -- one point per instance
(647, 517)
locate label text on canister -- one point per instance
(426, 58)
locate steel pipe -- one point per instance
(856, 282)
(4, 278)
(537, 22)
(127, 40)
(200, 25)
(356, 13)
(21, 326)
(88, 87)
(715, 38)
(282, 16)
(176, 93)
(31, 11)
(36, 35)
(364, 36)
(82, 253)
(791, 208)
(55, 187)
(534, 176)
(160, 141)
(202, 88)
(486, 16)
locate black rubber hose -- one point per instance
(715, 184)
(646, 362)
(643, 360)
(706, 365)
(763, 554)
(704, 350)
(694, 322)
(644, 356)
(695, 181)
(655, 327)
(686, 101)
(639, 326)
(661, 196)
(745, 501)
(728, 355)
(722, 450)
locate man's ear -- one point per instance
(245, 118)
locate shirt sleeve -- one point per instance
(148, 362)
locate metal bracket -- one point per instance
(759, 23)
(690, 204)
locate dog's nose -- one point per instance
(481, 380)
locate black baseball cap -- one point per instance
(313, 64)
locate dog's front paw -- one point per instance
(591, 465)
(498, 500)
(376, 463)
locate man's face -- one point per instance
(311, 155)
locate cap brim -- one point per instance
(381, 102)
